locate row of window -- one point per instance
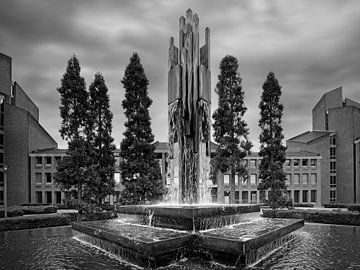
(48, 197)
(39, 178)
(304, 163)
(252, 196)
(289, 180)
(48, 178)
(288, 163)
(48, 160)
(305, 179)
(305, 196)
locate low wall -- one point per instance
(317, 216)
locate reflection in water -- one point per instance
(316, 246)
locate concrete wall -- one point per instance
(38, 137)
(345, 121)
(5, 74)
(23, 135)
(331, 99)
(16, 154)
(22, 100)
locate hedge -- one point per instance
(343, 217)
(50, 220)
(12, 212)
(354, 207)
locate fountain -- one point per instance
(156, 235)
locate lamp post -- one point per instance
(5, 168)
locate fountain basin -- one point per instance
(142, 245)
(189, 217)
(246, 243)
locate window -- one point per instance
(38, 195)
(38, 161)
(288, 180)
(327, 120)
(332, 141)
(38, 179)
(332, 153)
(117, 178)
(57, 159)
(1, 141)
(58, 197)
(313, 196)
(253, 197)
(227, 197)
(48, 197)
(48, 161)
(333, 181)
(214, 194)
(305, 179)
(296, 162)
(245, 196)
(296, 195)
(1, 158)
(253, 163)
(237, 198)
(332, 195)
(1, 179)
(117, 161)
(48, 178)
(236, 180)
(262, 196)
(289, 194)
(305, 195)
(253, 179)
(245, 162)
(313, 163)
(288, 162)
(332, 167)
(226, 180)
(244, 181)
(313, 179)
(305, 162)
(1, 197)
(296, 179)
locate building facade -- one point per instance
(20, 133)
(303, 172)
(335, 134)
(303, 175)
(45, 190)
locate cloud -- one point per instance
(311, 46)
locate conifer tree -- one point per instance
(99, 136)
(230, 129)
(272, 150)
(73, 171)
(140, 170)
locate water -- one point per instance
(316, 246)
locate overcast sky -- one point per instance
(311, 46)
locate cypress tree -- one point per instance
(140, 170)
(230, 129)
(272, 150)
(73, 171)
(99, 135)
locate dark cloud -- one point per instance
(311, 46)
